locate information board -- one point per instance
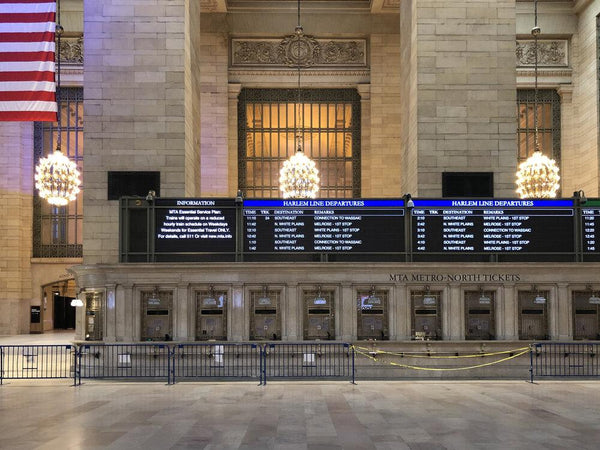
(195, 225)
(590, 221)
(324, 226)
(493, 226)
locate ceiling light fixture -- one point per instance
(299, 177)
(537, 176)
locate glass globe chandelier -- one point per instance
(537, 176)
(299, 177)
(56, 177)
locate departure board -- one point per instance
(493, 226)
(195, 225)
(327, 226)
(590, 221)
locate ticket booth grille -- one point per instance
(211, 315)
(94, 317)
(585, 315)
(372, 314)
(157, 315)
(479, 315)
(426, 315)
(533, 315)
(265, 316)
(319, 322)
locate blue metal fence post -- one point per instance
(170, 365)
(75, 365)
(353, 370)
(1, 364)
(531, 363)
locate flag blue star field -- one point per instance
(27, 87)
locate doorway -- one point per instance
(57, 312)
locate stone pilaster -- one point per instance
(461, 74)
(16, 190)
(134, 107)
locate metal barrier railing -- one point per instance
(153, 361)
(37, 361)
(308, 360)
(555, 359)
(148, 361)
(217, 360)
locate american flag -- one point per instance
(27, 88)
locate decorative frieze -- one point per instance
(71, 50)
(294, 51)
(551, 53)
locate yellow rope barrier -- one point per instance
(435, 356)
(438, 369)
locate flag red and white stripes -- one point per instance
(27, 88)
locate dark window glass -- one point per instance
(123, 184)
(468, 184)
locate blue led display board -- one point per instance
(493, 226)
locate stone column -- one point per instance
(570, 159)
(510, 317)
(456, 313)
(346, 314)
(181, 311)
(364, 90)
(123, 313)
(233, 94)
(292, 328)
(238, 316)
(403, 313)
(564, 309)
(110, 313)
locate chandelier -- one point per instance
(299, 177)
(537, 176)
(56, 177)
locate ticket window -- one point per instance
(265, 318)
(93, 316)
(533, 315)
(157, 315)
(372, 315)
(211, 315)
(426, 315)
(319, 323)
(585, 315)
(479, 315)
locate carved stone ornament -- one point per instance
(295, 50)
(551, 53)
(71, 50)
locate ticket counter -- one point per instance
(533, 315)
(211, 315)
(479, 315)
(265, 316)
(157, 315)
(319, 323)
(372, 315)
(426, 315)
(585, 315)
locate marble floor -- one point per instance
(419, 415)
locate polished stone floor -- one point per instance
(299, 415)
(420, 415)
